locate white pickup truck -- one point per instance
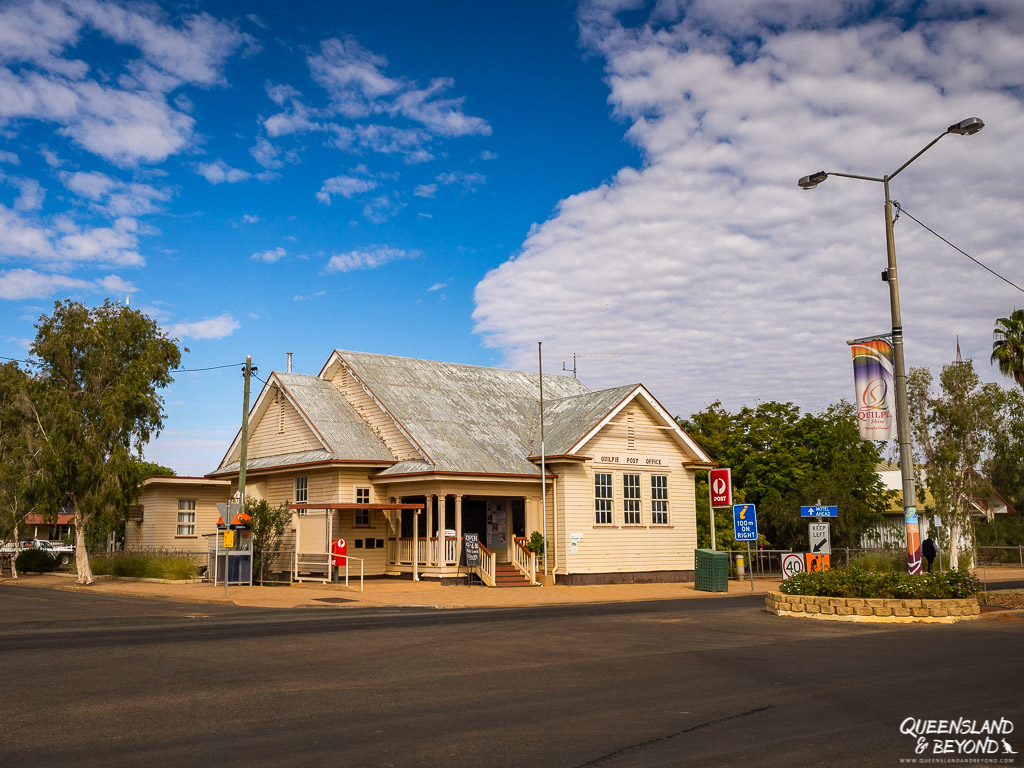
(63, 553)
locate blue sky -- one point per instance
(458, 181)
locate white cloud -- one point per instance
(370, 259)
(9, 157)
(124, 118)
(30, 195)
(250, 218)
(19, 284)
(468, 181)
(425, 190)
(115, 245)
(309, 296)
(115, 197)
(219, 172)
(270, 256)
(708, 270)
(382, 208)
(437, 286)
(346, 186)
(211, 328)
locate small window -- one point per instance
(659, 499)
(301, 490)
(362, 515)
(186, 517)
(631, 499)
(602, 498)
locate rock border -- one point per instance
(873, 609)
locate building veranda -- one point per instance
(402, 458)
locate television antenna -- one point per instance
(574, 356)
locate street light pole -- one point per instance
(966, 127)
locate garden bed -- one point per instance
(873, 609)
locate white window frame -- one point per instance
(659, 500)
(632, 509)
(186, 517)
(301, 490)
(604, 513)
(362, 497)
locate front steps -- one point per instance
(507, 575)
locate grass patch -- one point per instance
(855, 581)
(145, 565)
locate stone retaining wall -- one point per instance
(872, 608)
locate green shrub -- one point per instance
(854, 581)
(535, 543)
(887, 560)
(145, 565)
(35, 560)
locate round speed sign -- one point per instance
(792, 563)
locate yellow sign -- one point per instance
(229, 539)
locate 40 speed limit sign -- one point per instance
(792, 563)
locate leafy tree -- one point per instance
(96, 403)
(16, 460)
(1008, 346)
(268, 526)
(1005, 465)
(149, 469)
(954, 430)
(782, 459)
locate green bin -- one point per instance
(711, 570)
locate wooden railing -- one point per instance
(524, 559)
(400, 551)
(488, 567)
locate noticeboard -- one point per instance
(472, 546)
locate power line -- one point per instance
(173, 370)
(901, 209)
(212, 368)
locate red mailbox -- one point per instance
(339, 547)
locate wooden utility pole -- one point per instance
(247, 373)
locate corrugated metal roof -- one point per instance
(289, 459)
(345, 432)
(466, 418)
(568, 419)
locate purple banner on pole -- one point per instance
(872, 376)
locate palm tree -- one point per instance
(1008, 346)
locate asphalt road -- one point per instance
(96, 680)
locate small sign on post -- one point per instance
(819, 511)
(819, 539)
(744, 522)
(720, 487)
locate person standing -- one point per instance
(929, 550)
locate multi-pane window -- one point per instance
(363, 515)
(659, 499)
(301, 490)
(631, 499)
(602, 498)
(186, 517)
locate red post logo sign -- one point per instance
(720, 486)
(338, 548)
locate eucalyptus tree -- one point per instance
(1008, 346)
(955, 429)
(96, 403)
(16, 460)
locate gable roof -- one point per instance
(342, 434)
(464, 418)
(460, 418)
(572, 422)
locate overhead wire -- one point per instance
(901, 209)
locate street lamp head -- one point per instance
(810, 182)
(967, 127)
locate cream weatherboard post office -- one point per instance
(402, 458)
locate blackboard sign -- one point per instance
(472, 543)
